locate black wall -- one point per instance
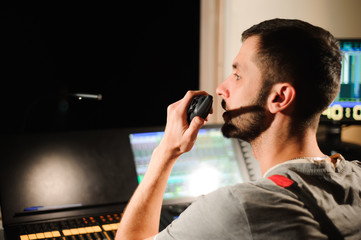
(141, 56)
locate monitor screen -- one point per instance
(346, 108)
(83, 168)
(212, 163)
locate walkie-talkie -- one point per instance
(200, 106)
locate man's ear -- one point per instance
(281, 97)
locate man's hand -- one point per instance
(179, 136)
(142, 215)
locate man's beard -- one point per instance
(246, 123)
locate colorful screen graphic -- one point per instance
(347, 105)
(212, 163)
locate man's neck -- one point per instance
(278, 145)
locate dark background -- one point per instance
(141, 56)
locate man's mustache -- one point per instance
(229, 114)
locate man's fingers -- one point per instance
(190, 95)
(179, 133)
(190, 135)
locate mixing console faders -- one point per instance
(102, 227)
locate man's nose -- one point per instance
(222, 90)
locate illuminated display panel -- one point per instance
(347, 106)
(212, 163)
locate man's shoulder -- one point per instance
(263, 189)
(355, 164)
(266, 189)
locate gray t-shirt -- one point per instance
(263, 210)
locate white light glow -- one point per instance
(204, 179)
(54, 178)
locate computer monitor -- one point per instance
(346, 108)
(50, 177)
(213, 162)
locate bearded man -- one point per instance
(285, 75)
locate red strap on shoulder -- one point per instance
(281, 181)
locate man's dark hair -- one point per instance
(304, 55)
